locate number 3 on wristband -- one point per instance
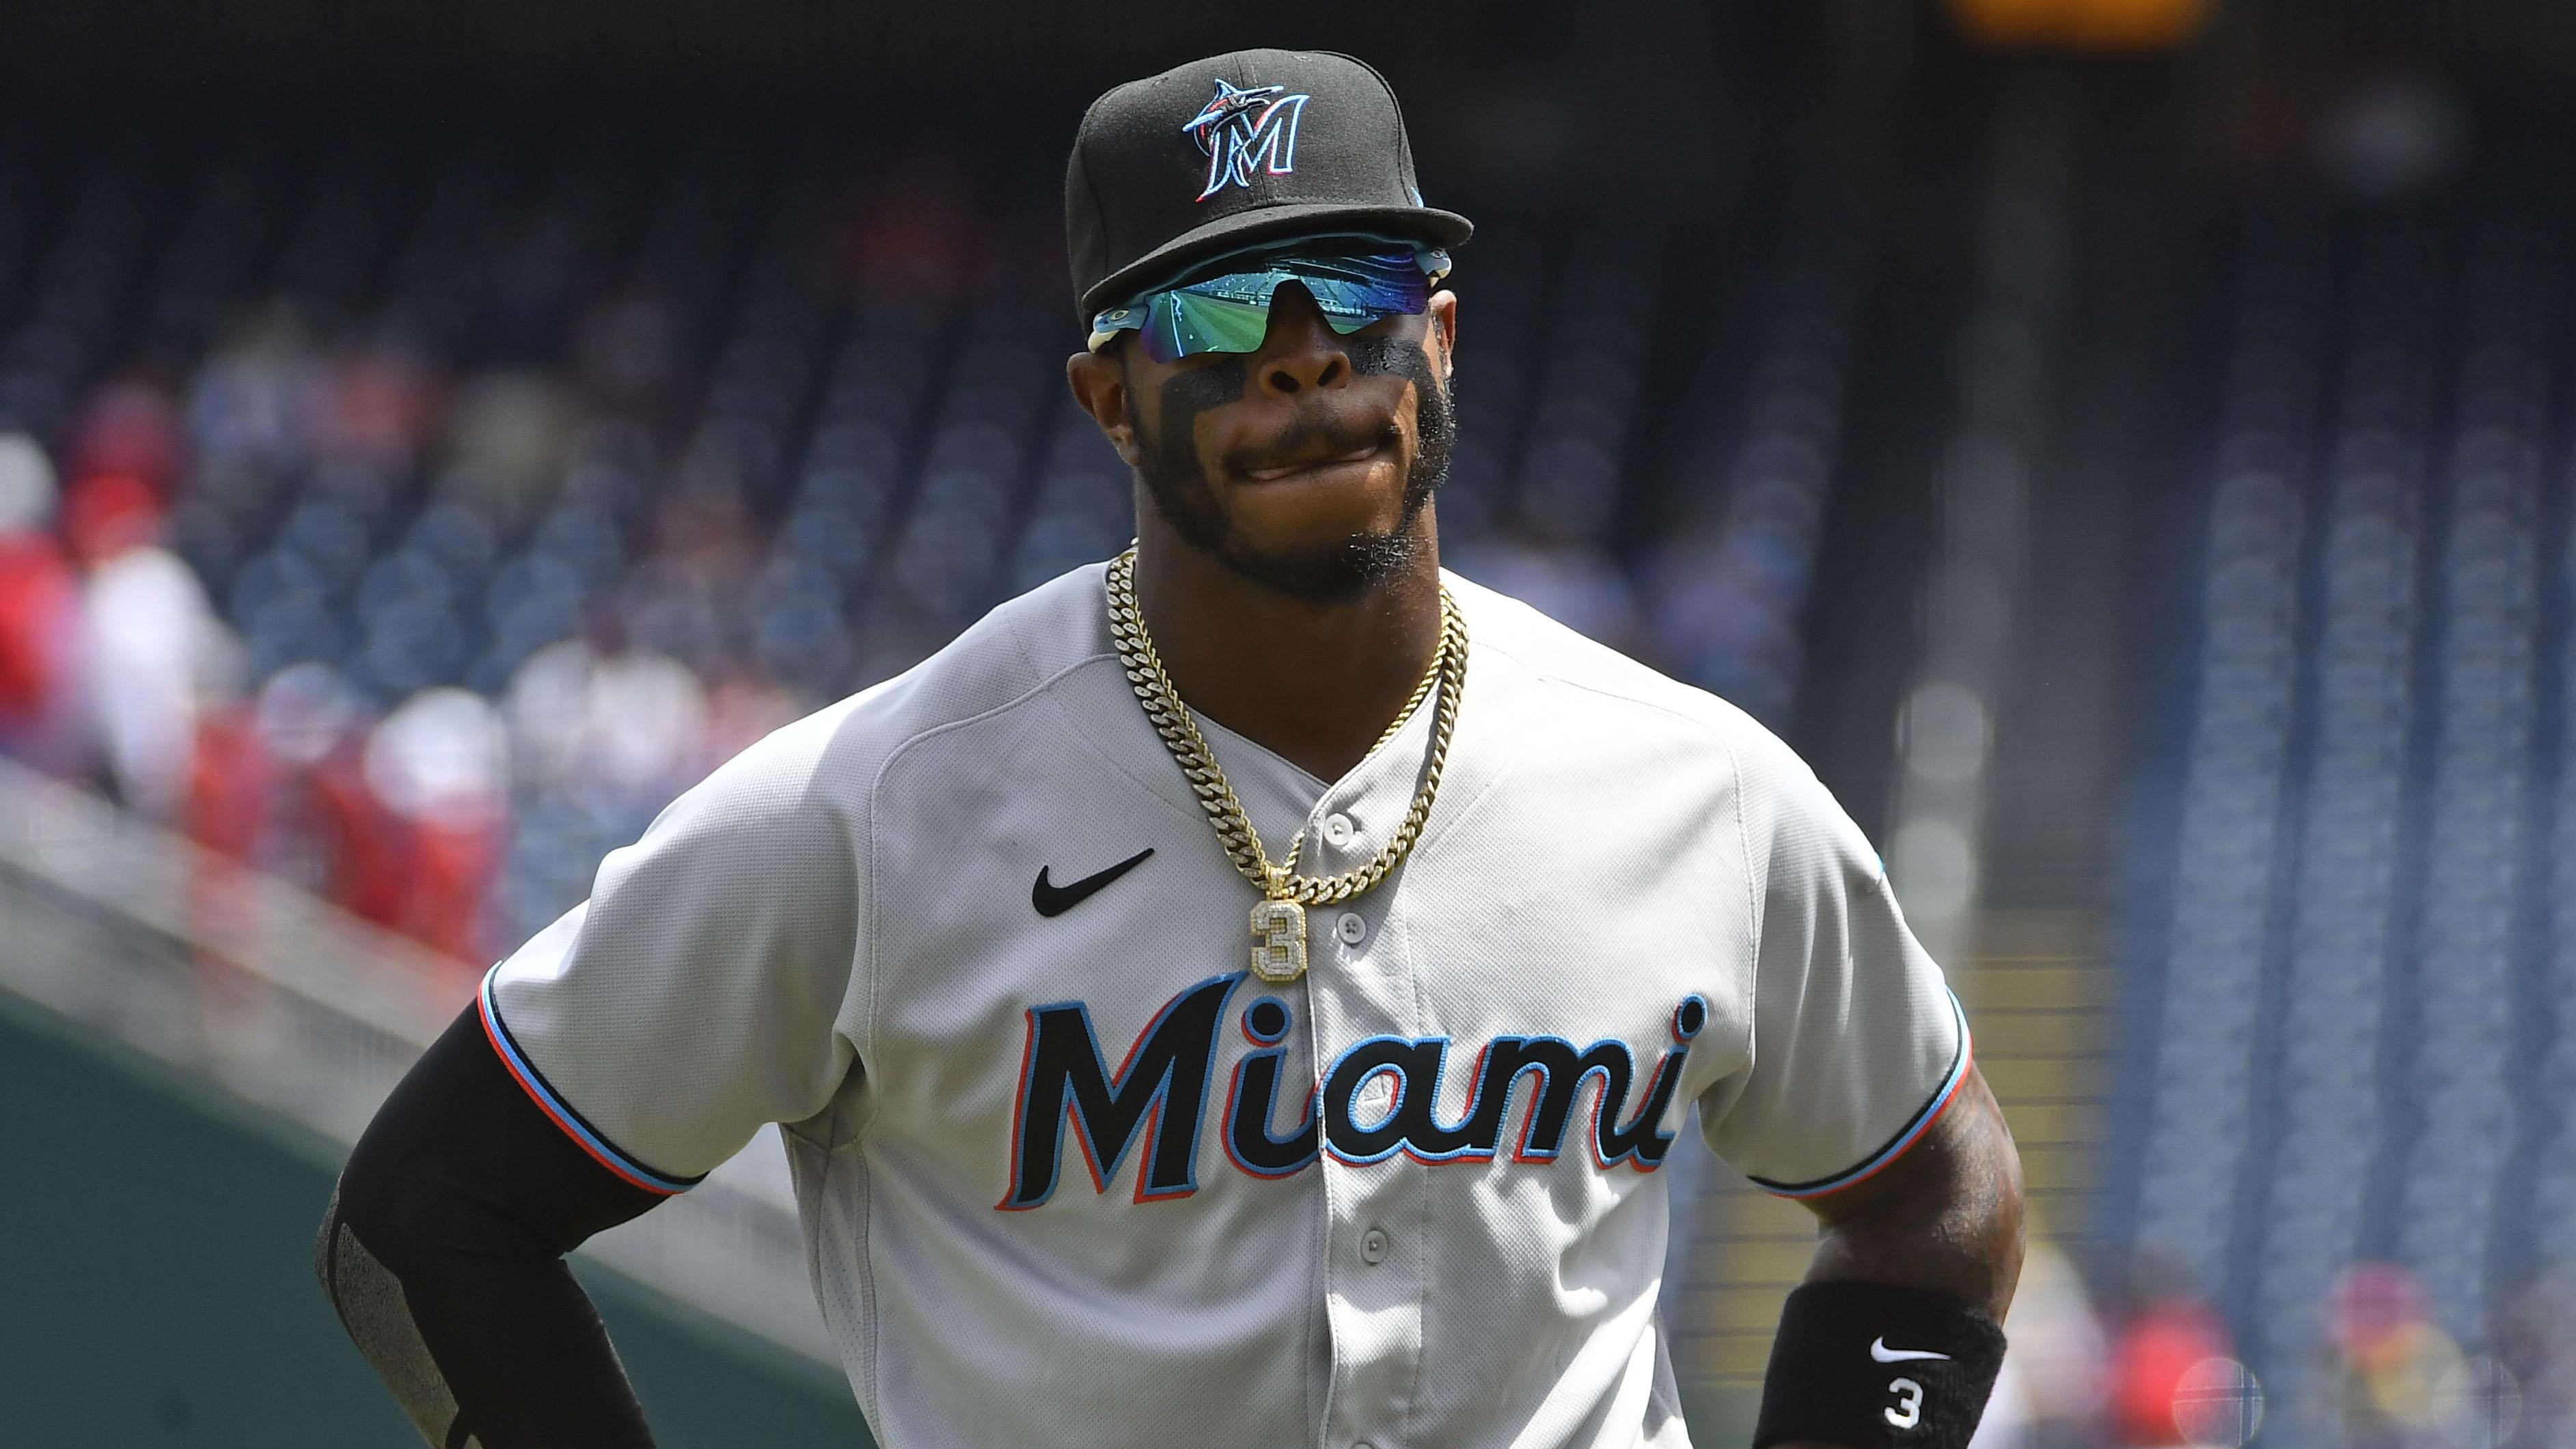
(1908, 1409)
(1831, 1375)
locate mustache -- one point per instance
(1319, 435)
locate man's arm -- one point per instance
(1860, 1098)
(443, 1251)
(1945, 1216)
(613, 1060)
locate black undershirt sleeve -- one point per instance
(443, 1254)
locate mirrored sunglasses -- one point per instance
(1231, 312)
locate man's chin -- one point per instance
(1326, 572)
(1326, 535)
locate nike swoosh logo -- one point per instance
(1055, 900)
(1879, 1350)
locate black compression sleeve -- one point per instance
(443, 1253)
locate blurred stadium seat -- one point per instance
(2346, 1059)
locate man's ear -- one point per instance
(1100, 387)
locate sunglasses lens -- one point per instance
(1353, 292)
(1185, 324)
(1231, 313)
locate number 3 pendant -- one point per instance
(1278, 941)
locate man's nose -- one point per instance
(1301, 350)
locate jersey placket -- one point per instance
(1360, 984)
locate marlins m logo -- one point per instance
(1246, 128)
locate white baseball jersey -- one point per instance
(1070, 1175)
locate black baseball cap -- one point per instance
(1230, 152)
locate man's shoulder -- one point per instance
(1625, 714)
(1550, 652)
(1001, 662)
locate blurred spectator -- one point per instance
(2055, 1362)
(224, 796)
(398, 824)
(699, 524)
(39, 617)
(2374, 1310)
(609, 719)
(440, 766)
(131, 429)
(147, 632)
(226, 801)
(2404, 1379)
(744, 706)
(505, 436)
(255, 401)
(2536, 1342)
(378, 406)
(320, 824)
(2150, 1357)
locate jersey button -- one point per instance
(1339, 831)
(1373, 1245)
(1351, 928)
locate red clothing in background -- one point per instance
(228, 785)
(39, 626)
(370, 861)
(452, 867)
(2148, 1361)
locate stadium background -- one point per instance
(2124, 444)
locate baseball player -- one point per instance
(1240, 993)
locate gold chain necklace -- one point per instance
(1279, 922)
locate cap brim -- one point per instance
(1176, 257)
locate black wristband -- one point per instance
(1868, 1366)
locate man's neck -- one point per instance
(1315, 683)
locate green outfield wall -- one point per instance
(156, 1285)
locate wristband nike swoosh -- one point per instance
(1879, 1350)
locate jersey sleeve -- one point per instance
(700, 992)
(1858, 1043)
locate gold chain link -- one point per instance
(1171, 720)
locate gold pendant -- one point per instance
(1278, 941)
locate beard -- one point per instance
(1335, 571)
